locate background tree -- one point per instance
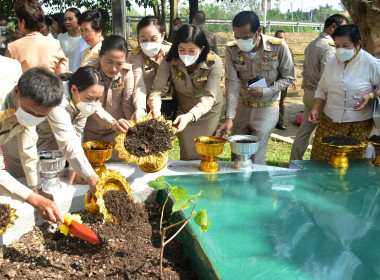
(366, 15)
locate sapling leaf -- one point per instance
(158, 184)
(179, 193)
(201, 219)
(181, 204)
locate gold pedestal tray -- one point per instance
(339, 158)
(376, 146)
(97, 157)
(209, 152)
(148, 164)
(108, 181)
(12, 218)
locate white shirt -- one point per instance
(82, 46)
(69, 45)
(342, 88)
(10, 72)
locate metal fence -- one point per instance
(294, 24)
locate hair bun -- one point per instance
(104, 14)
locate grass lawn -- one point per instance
(278, 153)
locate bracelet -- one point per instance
(371, 95)
(228, 117)
(36, 188)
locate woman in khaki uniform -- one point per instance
(119, 99)
(196, 75)
(147, 57)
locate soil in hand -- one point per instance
(149, 138)
(340, 140)
(246, 141)
(127, 250)
(5, 214)
(120, 205)
(374, 138)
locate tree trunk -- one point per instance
(193, 4)
(156, 10)
(173, 15)
(366, 15)
(163, 14)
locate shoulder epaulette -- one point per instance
(127, 66)
(331, 43)
(211, 57)
(136, 50)
(166, 43)
(6, 114)
(231, 43)
(275, 41)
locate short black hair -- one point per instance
(41, 86)
(350, 30)
(278, 31)
(177, 19)
(189, 33)
(75, 11)
(86, 77)
(48, 21)
(246, 17)
(150, 20)
(60, 19)
(98, 19)
(114, 43)
(200, 17)
(338, 19)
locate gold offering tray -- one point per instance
(108, 181)
(98, 157)
(12, 218)
(209, 152)
(151, 163)
(339, 158)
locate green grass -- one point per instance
(278, 153)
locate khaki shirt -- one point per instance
(317, 53)
(196, 92)
(119, 100)
(65, 125)
(38, 51)
(91, 55)
(211, 38)
(27, 138)
(273, 61)
(145, 68)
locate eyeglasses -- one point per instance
(87, 31)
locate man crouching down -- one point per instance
(27, 105)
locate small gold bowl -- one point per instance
(11, 220)
(108, 181)
(209, 152)
(97, 153)
(339, 157)
(148, 164)
(376, 146)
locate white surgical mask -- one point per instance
(246, 45)
(151, 48)
(189, 59)
(343, 54)
(26, 119)
(175, 27)
(3, 29)
(86, 108)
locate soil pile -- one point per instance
(340, 140)
(127, 251)
(5, 214)
(374, 138)
(120, 205)
(149, 138)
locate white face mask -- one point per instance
(343, 54)
(3, 29)
(246, 45)
(175, 27)
(26, 119)
(151, 48)
(86, 108)
(189, 59)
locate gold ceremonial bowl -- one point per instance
(339, 157)
(108, 181)
(376, 146)
(209, 151)
(97, 153)
(148, 164)
(11, 220)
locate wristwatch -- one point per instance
(194, 118)
(36, 188)
(228, 117)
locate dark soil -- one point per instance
(127, 251)
(245, 141)
(149, 138)
(207, 142)
(374, 138)
(340, 140)
(5, 214)
(113, 200)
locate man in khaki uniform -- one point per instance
(21, 109)
(199, 20)
(254, 110)
(317, 53)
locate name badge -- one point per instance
(201, 79)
